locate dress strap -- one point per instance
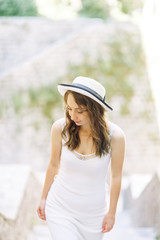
(112, 127)
(63, 122)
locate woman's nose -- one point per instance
(73, 115)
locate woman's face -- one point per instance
(79, 114)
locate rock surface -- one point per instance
(19, 196)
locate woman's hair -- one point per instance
(99, 126)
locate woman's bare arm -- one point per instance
(117, 159)
(53, 166)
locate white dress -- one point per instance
(77, 200)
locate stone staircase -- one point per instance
(20, 188)
(145, 210)
(124, 228)
(19, 193)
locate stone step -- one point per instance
(19, 193)
(123, 228)
(40, 232)
(133, 186)
(145, 210)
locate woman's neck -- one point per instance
(85, 131)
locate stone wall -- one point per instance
(140, 127)
(21, 143)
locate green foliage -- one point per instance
(117, 65)
(145, 114)
(45, 98)
(154, 138)
(18, 8)
(94, 9)
(125, 108)
(18, 102)
(157, 237)
(126, 61)
(128, 6)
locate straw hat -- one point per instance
(88, 87)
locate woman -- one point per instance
(74, 196)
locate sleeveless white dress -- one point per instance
(77, 200)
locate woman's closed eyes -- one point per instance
(78, 110)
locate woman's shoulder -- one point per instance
(58, 124)
(115, 130)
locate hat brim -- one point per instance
(62, 88)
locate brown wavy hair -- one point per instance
(99, 125)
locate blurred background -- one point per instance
(46, 42)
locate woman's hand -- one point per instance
(41, 209)
(108, 222)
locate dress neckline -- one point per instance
(84, 156)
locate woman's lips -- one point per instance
(77, 121)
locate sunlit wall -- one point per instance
(150, 29)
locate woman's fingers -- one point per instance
(41, 213)
(108, 223)
(106, 228)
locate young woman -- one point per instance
(74, 197)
